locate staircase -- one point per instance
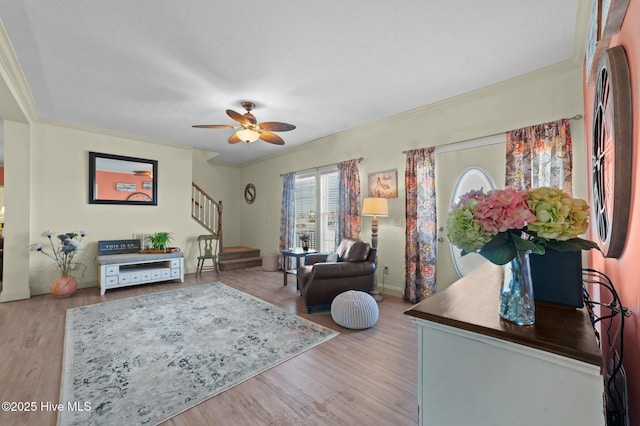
(239, 257)
(208, 213)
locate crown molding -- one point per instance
(13, 76)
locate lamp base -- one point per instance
(377, 296)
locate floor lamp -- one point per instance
(375, 207)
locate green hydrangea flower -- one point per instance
(464, 231)
(558, 216)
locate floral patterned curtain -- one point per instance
(349, 218)
(288, 212)
(420, 250)
(540, 155)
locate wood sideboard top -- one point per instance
(472, 303)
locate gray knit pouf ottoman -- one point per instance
(354, 309)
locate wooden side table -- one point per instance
(296, 254)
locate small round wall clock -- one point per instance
(250, 193)
(139, 196)
(611, 150)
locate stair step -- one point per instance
(237, 252)
(248, 262)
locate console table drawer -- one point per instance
(123, 279)
(112, 270)
(175, 263)
(160, 273)
(175, 272)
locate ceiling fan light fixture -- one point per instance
(251, 130)
(248, 135)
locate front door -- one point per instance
(450, 162)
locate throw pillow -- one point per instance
(332, 257)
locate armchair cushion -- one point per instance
(353, 250)
(314, 258)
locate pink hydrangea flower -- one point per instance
(503, 209)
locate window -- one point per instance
(317, 208)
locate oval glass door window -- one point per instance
(473, 178)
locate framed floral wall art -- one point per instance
(383, 184)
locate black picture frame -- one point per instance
(125, 165)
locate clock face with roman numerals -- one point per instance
(611, 151)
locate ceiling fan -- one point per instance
(251, 130)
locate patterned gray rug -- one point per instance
(145, 359)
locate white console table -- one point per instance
(476, 369)
(122, 270)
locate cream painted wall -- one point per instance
(17, 177)
(59, 199)
(545, 95)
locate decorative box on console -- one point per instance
(557, 277)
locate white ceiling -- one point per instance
(153, 68)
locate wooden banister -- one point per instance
(206, 211)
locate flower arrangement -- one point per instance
(305, 238)
(64, 250)
(502, 222)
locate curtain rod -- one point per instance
(320, 167)
(575, 117)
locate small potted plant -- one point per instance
(304, 239)
(159, 241)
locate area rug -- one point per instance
(144, 359)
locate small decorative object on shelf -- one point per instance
(505, 225)
(159, 243)
(304, 240)
(63, 253)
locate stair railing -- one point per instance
(206, 211)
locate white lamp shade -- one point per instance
(248, 135)
(375, 207)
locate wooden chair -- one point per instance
(208, 247)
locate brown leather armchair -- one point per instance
(320, 281)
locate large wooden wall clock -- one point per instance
(612, 143)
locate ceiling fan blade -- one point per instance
(275, 126)
(234, 138)
(271, 138)
(239, 117)
(251, 117)
(214, 126)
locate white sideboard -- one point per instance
(476, 368)
(122, 270)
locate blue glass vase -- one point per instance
(517, 303)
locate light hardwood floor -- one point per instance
(365, 377)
